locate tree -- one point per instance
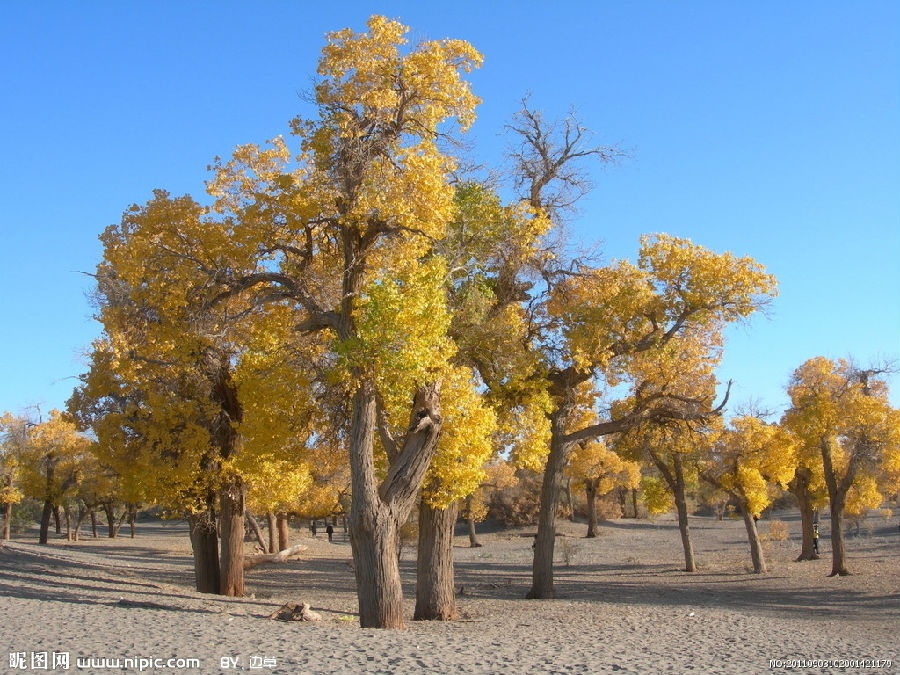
(13, 435)
(601, 471)
(749, 457)
(456, 471)
(673, 449)
(51, 459)
(362, 203)
(844, 411)
(181, 387)
(616, 324)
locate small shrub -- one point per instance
(778, 531)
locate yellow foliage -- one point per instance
(466, 442)
(594, 462)
(752, 455)
(656, 495)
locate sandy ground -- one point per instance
(624, 607)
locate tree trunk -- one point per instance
(435, 592)
(756, 552)
(374, 539)
(800, 487)
(67, 512)
(272, 520)
(205, 547)
(590, 492)
(82, 514)
(110, 512)
(690, 563)
(284, 531)
(57, 520)
(378, 510)
(93, 515)
(634, 501)
(838, 552)
(837, 494)
(7, 521)
(542, 567)
(257, 532)
(570, 500)
(132, 518)
(231, 502)
(470, 523)
(7, 510)
(46, 514)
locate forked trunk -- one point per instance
(435, 592)
(231, 502)
(590, 493)
(205, 548)
(257, 532)
(378, 510)
(756, 552)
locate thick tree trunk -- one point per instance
(756, 552)
(590, 493)
(690, 563)
(838, 552)
(284, 531)
(272, 520)
(231, 516)
(800, 488)
(378, 510)
(112, 527)
(94, 523)
(435, 592)
(375, 539)
(837, 494)
(205, 547)
(57, 520)
(551, 486)
(46, 515)
(634, 501)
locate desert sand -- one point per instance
(625, 606)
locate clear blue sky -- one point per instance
(767, 128)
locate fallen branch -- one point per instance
(293, 611)
(251, 561)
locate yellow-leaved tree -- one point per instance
(843, 412)
(343, 231)
(747, 460)
(178, 373)
(50, 464)
(635, 326)
(601, 470)
(13, 434)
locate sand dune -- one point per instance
(624, 607)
